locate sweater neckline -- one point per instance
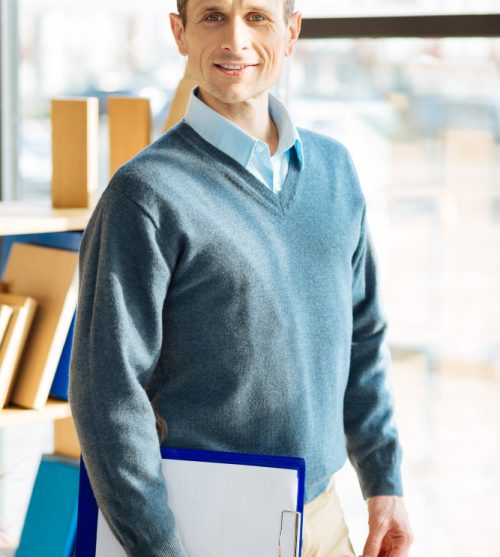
(280, 202)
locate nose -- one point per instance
(236, 35)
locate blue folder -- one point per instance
(50, 525)
(60, 384)
(89, 514)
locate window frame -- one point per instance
(418, 26)
(9, 101)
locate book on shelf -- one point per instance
(71, 241)
(50, 276)
(14, 340)
(49, 528)
(75, 151)
(129, 122)
(5, 313)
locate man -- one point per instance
(228, 289)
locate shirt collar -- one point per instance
(233, 140)
(288, 134)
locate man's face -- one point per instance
(235, 48)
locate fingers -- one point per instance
(373, 543)
(376, 548)
(399, 553)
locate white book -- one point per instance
(14, 340)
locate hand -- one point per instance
(390, 533)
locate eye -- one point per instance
(213, 18)
(257, 18)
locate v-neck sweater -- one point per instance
(250, 321)
(248, 150)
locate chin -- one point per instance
(235, 94)
(229, 95)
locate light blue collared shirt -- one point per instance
(250, 152)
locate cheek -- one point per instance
(277, 54)
(278, 45)
(195, 56)
(270, 49)
(197, 46)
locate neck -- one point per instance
(251, 115)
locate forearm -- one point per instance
(371, 434)
(121, 453)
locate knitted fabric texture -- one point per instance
(249, 320)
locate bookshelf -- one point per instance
(20, 217)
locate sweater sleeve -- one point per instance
(124, 277)
(371, 434)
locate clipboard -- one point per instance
(224, 503)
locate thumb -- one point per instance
(373, 543)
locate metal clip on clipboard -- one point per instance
(289, 534)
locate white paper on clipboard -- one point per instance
(223, 510)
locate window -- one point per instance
(95, 48)
(8, 96)
(421, 118)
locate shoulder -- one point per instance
(133, 208)
(324, 151)
(322, 142)
(151, 178)
(156, 162)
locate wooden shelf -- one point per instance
(54, 410)
(21, 217)
(33, 217)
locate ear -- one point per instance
(179, 33)
(293, 32)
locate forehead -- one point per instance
(228, 5)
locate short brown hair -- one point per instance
(182, 9)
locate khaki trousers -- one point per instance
(324, 531)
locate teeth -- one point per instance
(227, 67)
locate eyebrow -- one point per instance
(211, 9)
(257, 8)
(219, 8)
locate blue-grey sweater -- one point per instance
(249, 320)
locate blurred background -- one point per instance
(421, 118)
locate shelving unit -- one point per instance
(21, 217)
(34, 217)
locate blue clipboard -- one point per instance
(88, 512)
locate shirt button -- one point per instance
(260, 148)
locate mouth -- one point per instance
(234, 69)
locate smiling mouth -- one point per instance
(234, 68)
